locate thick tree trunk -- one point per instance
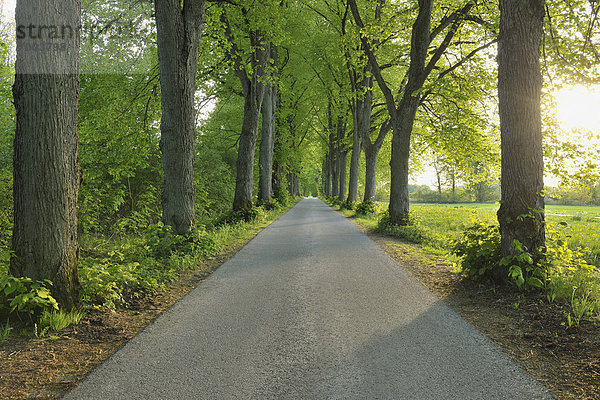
(265, 190)
(343, 156)
(335, 181)
(178, 35)
(371, 154)
(244, 183)
(370, 174)
(362, 121)
(402, 127)
(278, 177)
(521, 214)
(354, 167)
(341, 159)
(267, 141)
(327, 190)
(46, 168)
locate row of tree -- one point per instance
(297, 89)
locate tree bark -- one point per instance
(362, 127)
(45, 165)
(179, 30)
(370, 175)
(371, 154)
(244, 183)
(267, 141)
(334, 163)
(343, 156)
(402, 127)
(521, 213)
(265, 190)
(354, 166)
(327, 176)
(253, 90)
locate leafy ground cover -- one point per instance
(121, 295)
(553, 332)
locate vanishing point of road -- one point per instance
(310, 309)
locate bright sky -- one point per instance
(8, 9)
(579, 107)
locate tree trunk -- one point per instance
(354, 167)
(327, 176)
(370, 174)
(267, 141)
(46, 168)
(521, 214)
(371, 154)
(402, 127)
(362, 128)
(178, 35)
(335, 181)
(265, 190)
(343, 156)
(244, 183)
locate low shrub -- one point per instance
(25, 296)
(369, 208)
(55, 321)
(413, 232)
(478, 250)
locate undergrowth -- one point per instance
(118, 269)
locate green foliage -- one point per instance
(256, 213)
(115, 272)
(5, 331)
(282, 196)
(414, 231)
(25, 296)
(55, 321)
(524, 268)
(478, 250)
(572, 279)
(369, 208)
(348, 205)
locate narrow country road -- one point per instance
(310, 309)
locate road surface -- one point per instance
(310, 309)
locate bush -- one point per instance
(478, 250)
(525, 269)
(56, 321)
(413, 232)
(25, 296)
(369, 208)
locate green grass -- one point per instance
(5, 331)
(573, 274)
(56, 321)
(579, 226)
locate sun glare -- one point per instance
(578, 107)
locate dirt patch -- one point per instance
(49, 368)
(526, 327)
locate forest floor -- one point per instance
(531, 331)
(526, 327)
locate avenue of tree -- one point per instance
(341, 98)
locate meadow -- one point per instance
(579, 226)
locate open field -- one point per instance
(579, 226)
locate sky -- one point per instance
(8, 9)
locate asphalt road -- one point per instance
(310, 309)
